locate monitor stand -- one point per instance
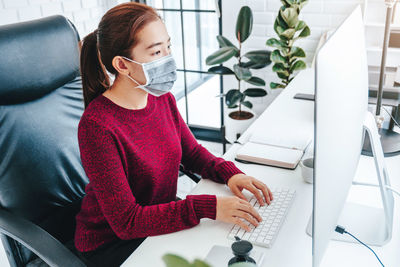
(371, 225)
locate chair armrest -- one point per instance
(195, 177)
(37, 240)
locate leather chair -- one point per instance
(42, 181)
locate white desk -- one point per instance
(292, 246)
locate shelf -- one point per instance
(381, 25)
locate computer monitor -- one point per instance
(341, 103)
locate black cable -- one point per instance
(341, 230)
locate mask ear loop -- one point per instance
(130, 76)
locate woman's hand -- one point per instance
(240, 181)
(232, 209)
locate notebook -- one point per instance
(283, 150)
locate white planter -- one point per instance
(234, 127)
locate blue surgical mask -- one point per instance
(160, 75)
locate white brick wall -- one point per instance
(320, 15)
(85, 14)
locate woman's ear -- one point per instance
(119, 64)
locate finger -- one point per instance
(256, 193)
(238, 193)
(270, 193)
(264, 189)
(247, 217)
(247, 207)
(241, 224)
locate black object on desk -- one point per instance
(241, 249)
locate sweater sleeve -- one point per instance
(103, 165)
(199, 160)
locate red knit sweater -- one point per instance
(132, 158)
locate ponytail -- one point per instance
(95, 80)
(116, 36)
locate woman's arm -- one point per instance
(103, 165)
(199, 160)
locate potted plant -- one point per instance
(289, 28)
(240, 119)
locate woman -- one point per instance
(132, 140)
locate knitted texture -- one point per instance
(132, 159)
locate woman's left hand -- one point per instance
(240, 181)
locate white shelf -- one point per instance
(374, 55)
(381, 25)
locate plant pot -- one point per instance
(259, 104)
(235, 125)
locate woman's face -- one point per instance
(153, 43)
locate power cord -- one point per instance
(376, 185)
(341, 230)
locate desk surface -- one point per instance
(292, 246)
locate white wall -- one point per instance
(85, 14)
(320, 15)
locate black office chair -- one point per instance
(42, 181)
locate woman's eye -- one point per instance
(156, 53)
(169, 47)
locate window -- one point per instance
(193, 26)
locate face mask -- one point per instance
(160, 75)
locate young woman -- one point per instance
(132, 140)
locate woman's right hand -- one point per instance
(233, 209)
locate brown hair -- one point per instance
(115, 36)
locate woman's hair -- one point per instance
(115, 36)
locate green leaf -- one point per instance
(220, 56)
(247, 104)
(244, 24)
(232, 97)
(289, 33)
(277, 28)
(277, 57)
(220, 70)
(282, 75)
(279, 67)
(290, 16)
(223, 42)
(253, 65)
(233, 106)
(276, 85)
(199, 263)
(285, 3)
(172, 260)
(297, 52)
(259, 56)
(256, 81)
(255, 92)
(275, 43)
(300, 25)
(305, 32)
(242, 73)
(281, 21)
(298, 65)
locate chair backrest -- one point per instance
(41, 102)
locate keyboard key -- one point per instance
(272, 215)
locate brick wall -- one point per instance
(85, 14)
(320, 15)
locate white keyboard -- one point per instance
(272, 216)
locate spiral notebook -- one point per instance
(283, 150)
